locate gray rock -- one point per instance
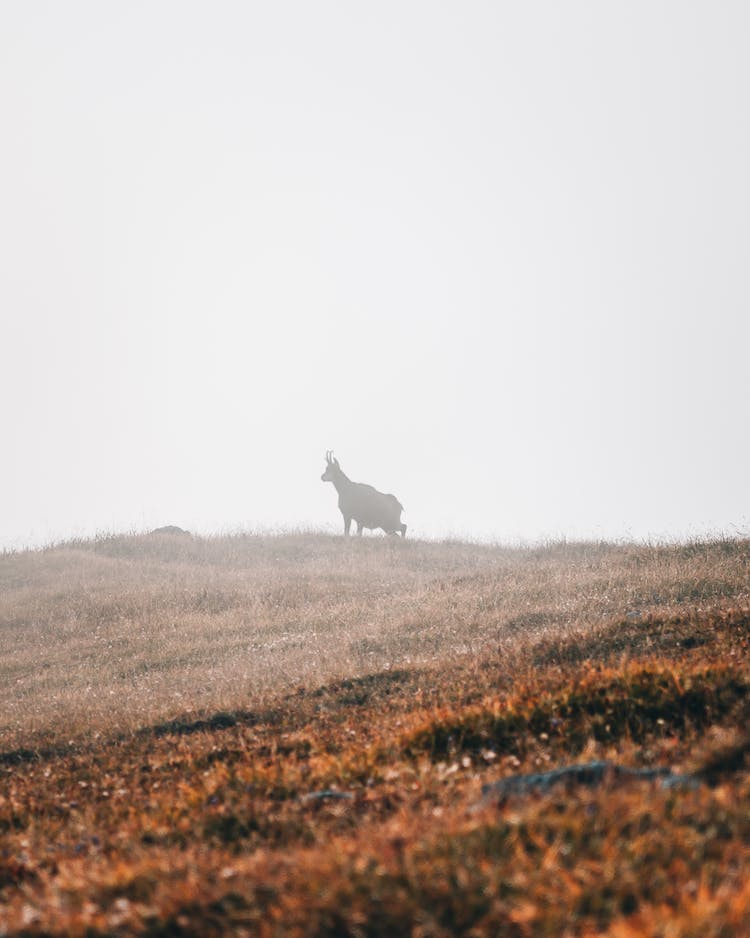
(589, 774)
(327, 795)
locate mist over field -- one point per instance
(469, 279)
(121, 632)
(493, 256)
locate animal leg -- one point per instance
(359, 529)
(347, 525)
(403, 530)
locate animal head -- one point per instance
(332, 468)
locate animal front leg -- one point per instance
(347, 525)
(359, 528)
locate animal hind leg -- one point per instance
(403, 530)
(359, 528)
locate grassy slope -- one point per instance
(172, 710)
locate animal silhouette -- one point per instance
(362, 503)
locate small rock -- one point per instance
(589, 774)
(327, 794)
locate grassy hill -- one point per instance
(290, 736)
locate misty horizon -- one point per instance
(494, 257)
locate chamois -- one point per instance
(362, 503)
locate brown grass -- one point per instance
(122, 631)
(289, 736)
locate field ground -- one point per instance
(289, 735)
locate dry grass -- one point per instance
(174, 711)
(116, 632)
(122, 631)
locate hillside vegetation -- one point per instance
(292, 735)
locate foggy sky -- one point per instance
(494, 255)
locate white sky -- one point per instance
(496, 255)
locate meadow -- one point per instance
(300, 734)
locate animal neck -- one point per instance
(341, 481)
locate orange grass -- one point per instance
(346, 799)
